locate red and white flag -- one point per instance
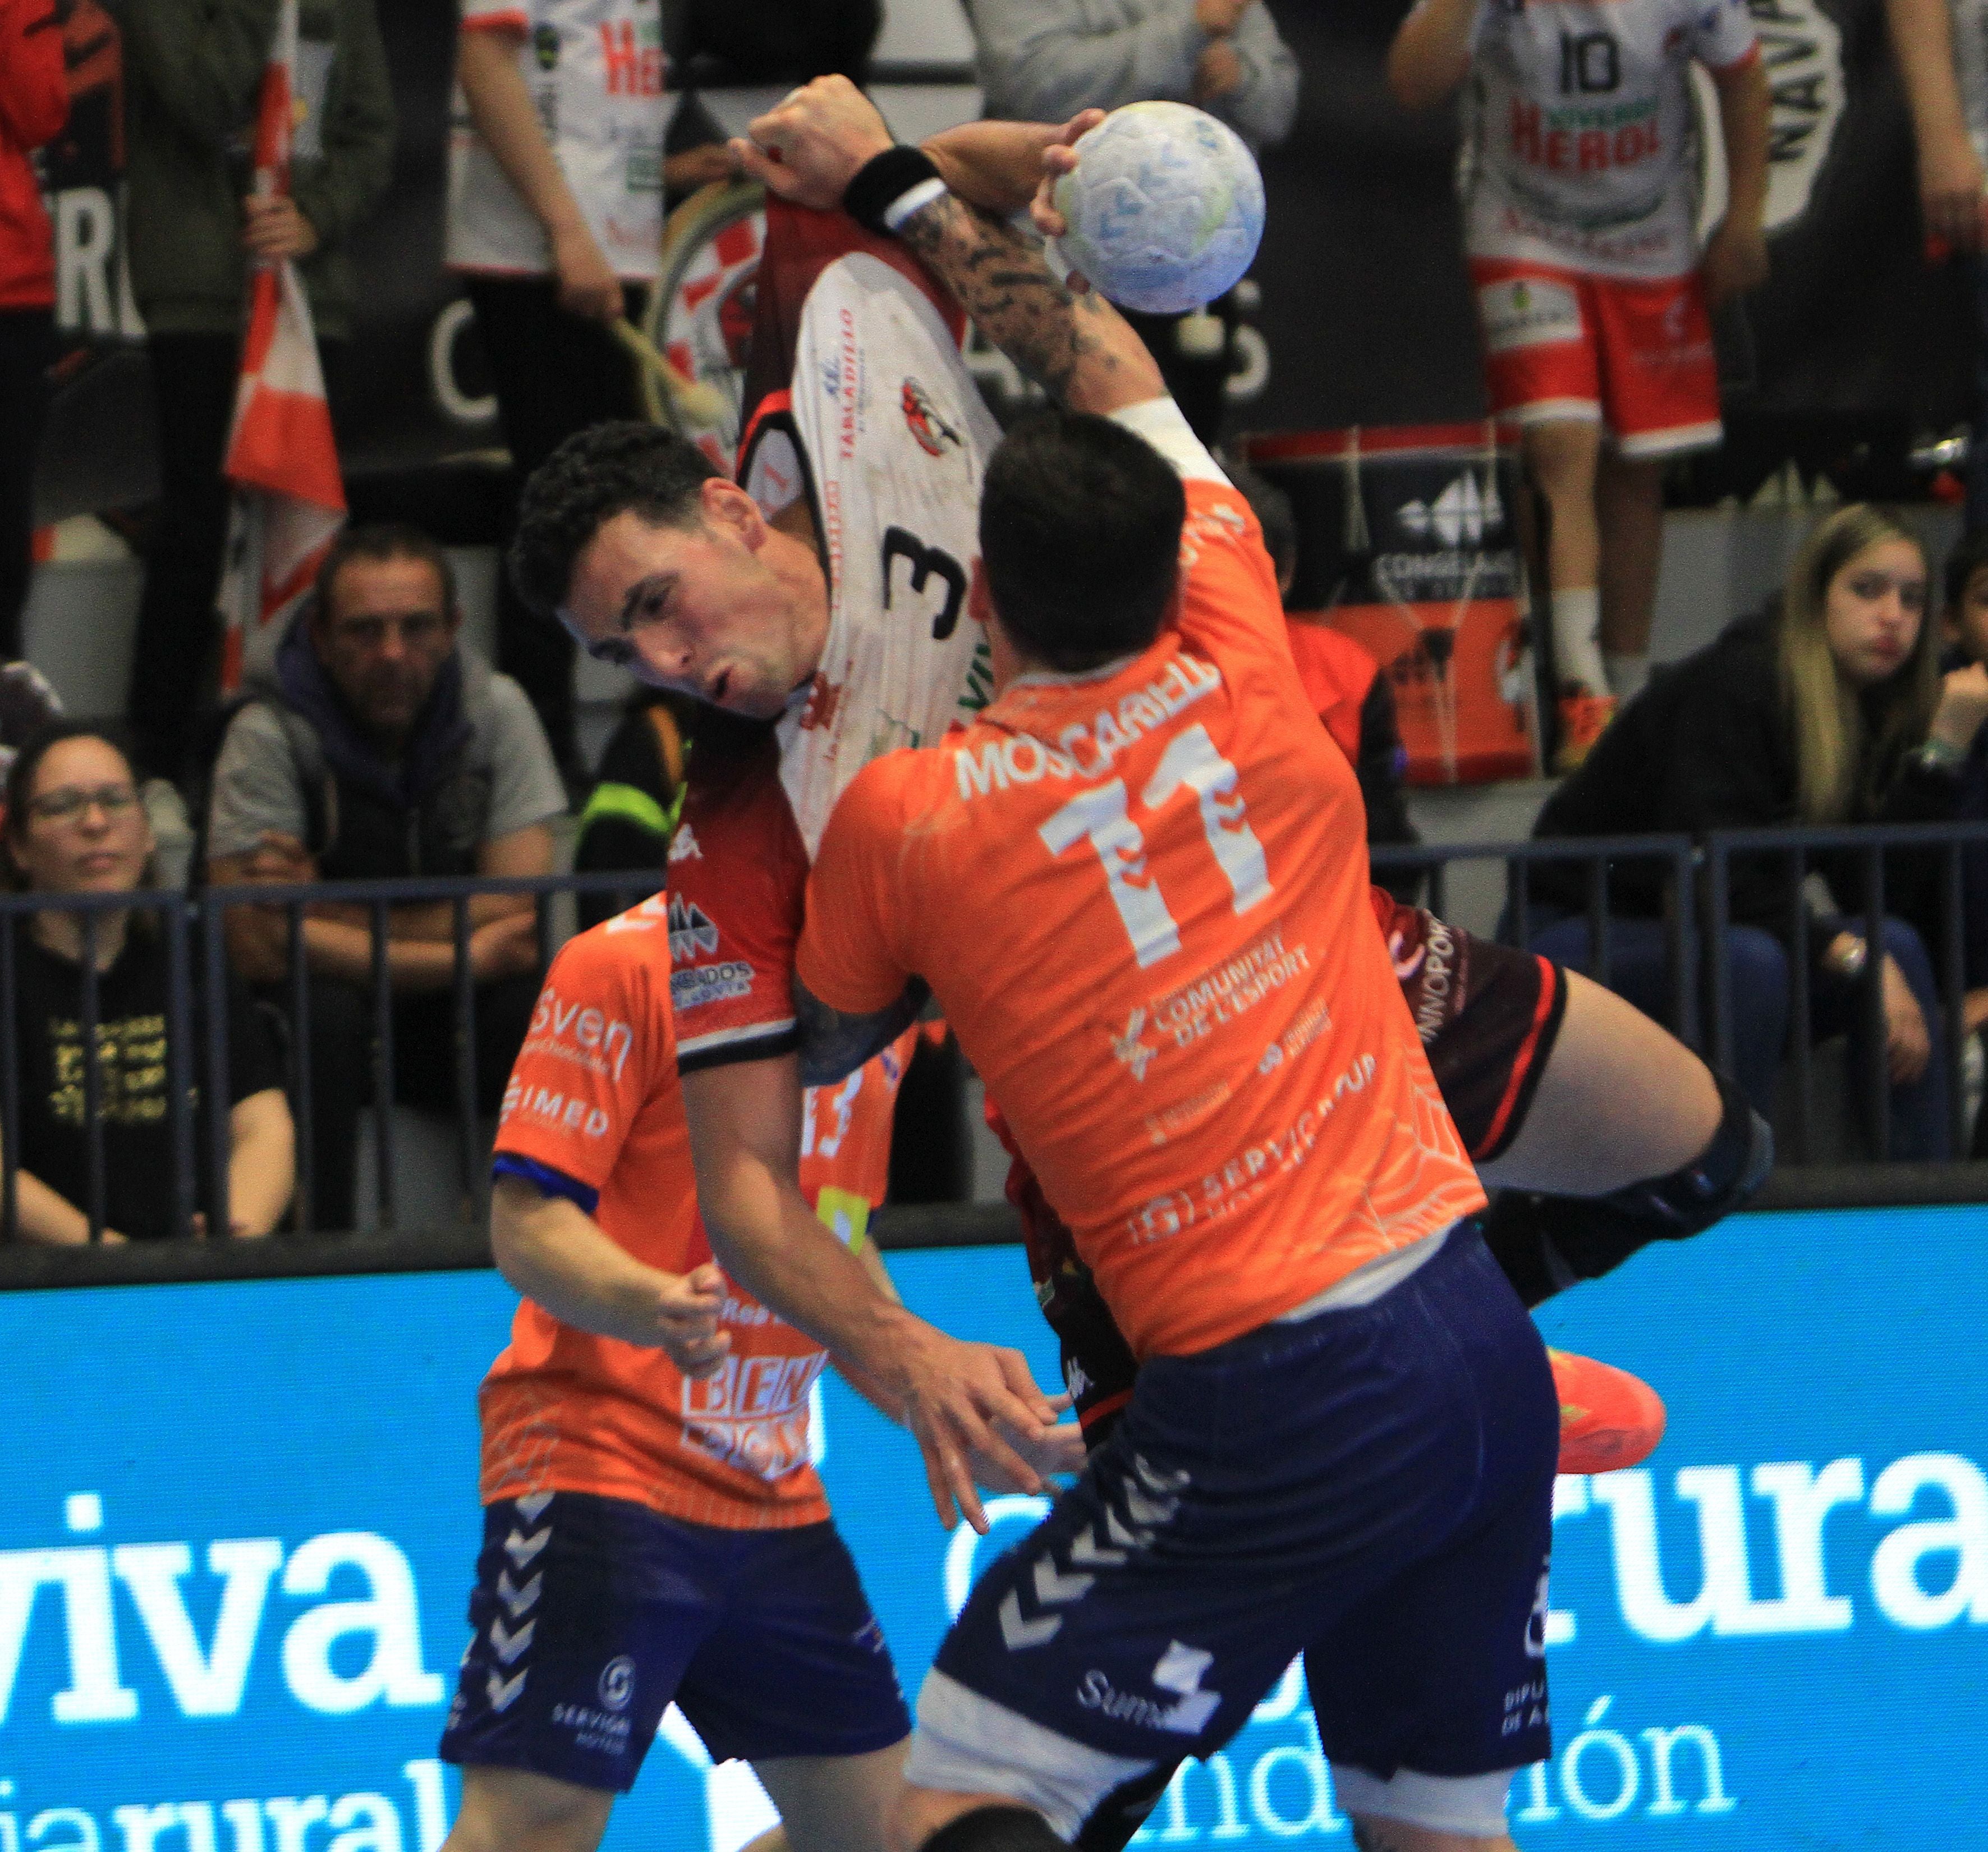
(289, 500)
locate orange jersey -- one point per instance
(1191, 1021)
(594, 1095)
(846, 1139)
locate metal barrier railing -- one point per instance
(193, 925)
(1696, 878)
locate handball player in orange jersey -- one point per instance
(1342, 1177)
(655, 1530)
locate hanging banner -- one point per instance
(1405, 542)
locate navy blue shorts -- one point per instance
(1372, 1486)
(591, 1614)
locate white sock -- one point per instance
(1627, 673)
(1577, 622)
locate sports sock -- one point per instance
(995, 1829)
(1577, 619)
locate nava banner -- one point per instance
(236, 1545)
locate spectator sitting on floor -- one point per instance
(74, 825)
(1346, 688)
(383, 746)
(1831, 711)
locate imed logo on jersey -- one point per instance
(692, 933)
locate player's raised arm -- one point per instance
(826, 137)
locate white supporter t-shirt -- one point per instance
(595, 69)
(1578, 130)
(896, 440)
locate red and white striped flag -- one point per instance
(290, 501)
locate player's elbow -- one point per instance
(1416, 81)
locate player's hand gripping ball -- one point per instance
(1164, 207)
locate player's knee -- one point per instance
(1723, 1179)
(514, 1810)
(999, 1827)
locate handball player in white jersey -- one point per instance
(1579, 197)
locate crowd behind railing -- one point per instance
(124, 1095)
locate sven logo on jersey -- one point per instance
(692, 933)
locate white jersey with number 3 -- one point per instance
(1579, 145)
(896, 440)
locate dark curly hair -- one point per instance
(1079, 534)
(595, 475)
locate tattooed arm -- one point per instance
(1074, 344)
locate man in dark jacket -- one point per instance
(193, 72)
(380, 746)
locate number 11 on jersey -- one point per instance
(1101, 815)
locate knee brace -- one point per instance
(995, 1829)
(1548, 1243)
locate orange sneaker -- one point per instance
(1609, 1419)
(1583, 718)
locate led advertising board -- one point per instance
(240, 1520)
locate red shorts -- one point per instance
(1636, 356)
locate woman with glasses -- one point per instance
(74, 825)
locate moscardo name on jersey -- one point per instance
(1082, 750)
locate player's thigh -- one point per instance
(796, 1670)
(1251, 1495)
(515, 1810)
(835, 1803)
(585, 1612)
(1541, 366)
(1659, 373)
(1621, 1099)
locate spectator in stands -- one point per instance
(193, 69)
(557, 231)
(1346, 689)
(382, 746)
(1593, 296)
(74, 825)
(1942, 49)
(1830, 711)
(34, 105)
(1044, 60)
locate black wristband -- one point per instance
(882, 180)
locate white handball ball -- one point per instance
(1165, 208)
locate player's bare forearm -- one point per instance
(1077, 347)
(1431, 54)
(555, 1253)
(995, 165)
(1743, 114)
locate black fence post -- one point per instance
(216, 1095)
(179, 1065)
(383, 1072)
(300, 1066)
(92, 1078)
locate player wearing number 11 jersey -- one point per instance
(1342, 1439)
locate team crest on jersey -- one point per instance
(692, 933)
(933, 433)
(683, 845)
